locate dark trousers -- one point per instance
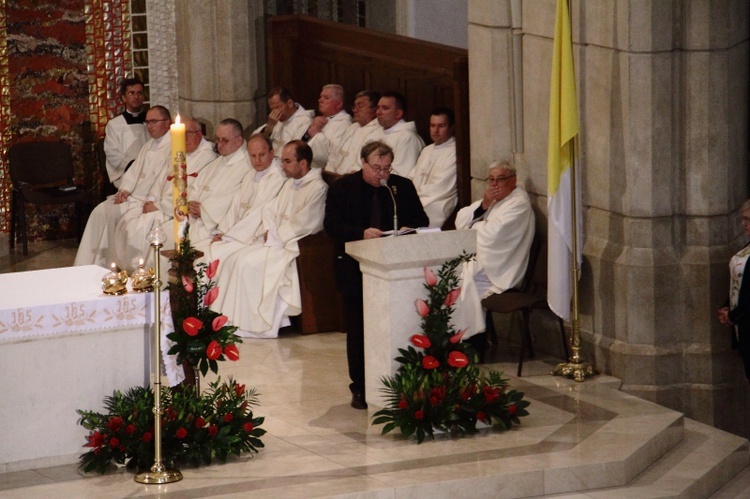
(355, 336)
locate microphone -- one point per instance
(383, 183)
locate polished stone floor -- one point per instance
(579, 437)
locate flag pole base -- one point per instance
(578, 370)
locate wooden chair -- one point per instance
(531, 296)
(41, 173)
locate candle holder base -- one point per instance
(158, 475)
(577, 370)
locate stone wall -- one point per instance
(663, 97)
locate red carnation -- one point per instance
(129, 429)
(181, 433)
(228, 417)
(147, 437)
(421, 341)
(429, 277)
(457, 359)
(199, 422)
(213, 350)
(213, 430)
(422, 308)
(248, 427)
(219, 322)
(231, 352)
(211, 296)
(419, 414)
(192, 326)
(114, 442)
(114, 423)
(211, 270)
(452, 297)
(430, 362)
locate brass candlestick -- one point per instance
(158, 472)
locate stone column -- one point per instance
(663, 100)
(220, 57)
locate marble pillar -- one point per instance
(392, 280)
(663, 99)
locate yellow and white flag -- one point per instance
(563, 128)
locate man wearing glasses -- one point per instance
(504, 222)
(360, 207)
(97, 242)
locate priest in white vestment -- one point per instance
(326, 131)
(434, 176)
(287, 121)
(504, 222)
(400, 135)
(126, 133)
(131, 243)
(260, 186)
(344, 158)
(211, 192)
(259, 285)
(97, 242)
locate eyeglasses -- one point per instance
(381, 171)
(153, 122)
(497, 180)
(193, 132)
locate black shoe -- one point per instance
(358, 400)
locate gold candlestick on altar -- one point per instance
(158, 472)
(179, 177)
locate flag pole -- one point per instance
(575, 367)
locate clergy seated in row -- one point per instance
(434, 176)
(126, 133)
(287, 120)
(131, 243)
(344, 158)
(259, 283)
(153, 162)
(504, 222)
(400, 135)
(326, 131)
(261, 185)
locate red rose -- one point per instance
(213, 430)
(200, 422)
(481, 416)
(452, 297)
(430, 362)
(129, 429)
(192, 326)
(211, 270)
(422, 308)
(429, 277)
(228, 417)
(213, 350)
(457, 359)
(512, 409)
(457, 337)
(114, 442)
(231, 352)
(187, 284)
(181, 433)
(219, 322)
(147, 437)
(239, 390)
(419, 414)
(211, 296)
(421, 341)
(248, 427)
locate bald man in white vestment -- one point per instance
(259, 186)
(259, 286)
(131, 242)
(326, 131)
(504, 222)
(211, 192)
(287, 121)
(434, 176)
(96, 246)
(344, 158)
(400, 135)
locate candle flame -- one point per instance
(114, 266)
(140, 262)
(177, 120)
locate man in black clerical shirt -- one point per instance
(359, 207)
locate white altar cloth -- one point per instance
(64, 345)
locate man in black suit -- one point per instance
(359, 207)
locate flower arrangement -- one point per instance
(438, 384)
(201, 336)
(195, 430)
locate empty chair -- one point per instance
(41, 173)
(532, 296)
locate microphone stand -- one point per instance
(384, 183)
